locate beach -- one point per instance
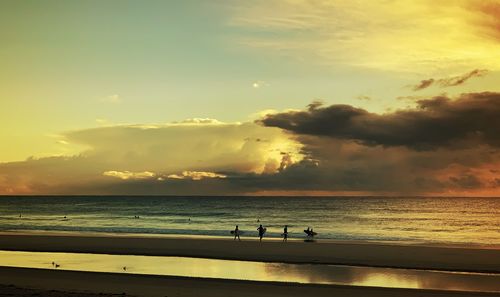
(437, 257)
(457, 258)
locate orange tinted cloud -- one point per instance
(490, 18)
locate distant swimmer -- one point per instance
(237, 233)
(20, 215)
(261, 230)
(285, 233)
(124, 268)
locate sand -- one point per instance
(30, 282)
(159, 286)
(471, 259)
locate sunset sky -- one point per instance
(287, 97)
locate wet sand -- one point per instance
(56, 283)
(471, 259)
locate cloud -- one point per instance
(467, 181)
(423, 84)
(459, 80)
(196, 175)
(194, 145)
(436, 122)
(148, 153)
(490, 17)
(128, 174)
(199, 121)
(364, 97)
(338, 149)
(341, 166)
(403, 36)
(451, 81)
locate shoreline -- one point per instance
(251, 238)
(373, 254)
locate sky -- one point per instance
(275, 97)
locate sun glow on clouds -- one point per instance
(128, 174)
(196, 175)
(192, 175)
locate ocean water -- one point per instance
(409, 219)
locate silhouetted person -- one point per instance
(285, 233)
(236, 233)
(310, 233)
(261, 232)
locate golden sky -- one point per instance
(250, 97)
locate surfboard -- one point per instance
(309, 233)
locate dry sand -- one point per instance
(353, 253)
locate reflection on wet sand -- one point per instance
(256, 271)
(388, 277)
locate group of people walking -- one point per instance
(262, 231)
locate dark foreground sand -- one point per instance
(472, 259)
(92, 284)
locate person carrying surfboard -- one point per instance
(285, 233)
(261, 230)
(310, 232)
(236, 233)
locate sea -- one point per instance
(450, 220)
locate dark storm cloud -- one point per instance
(437, 122)
(450, 81)
(466, 181)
